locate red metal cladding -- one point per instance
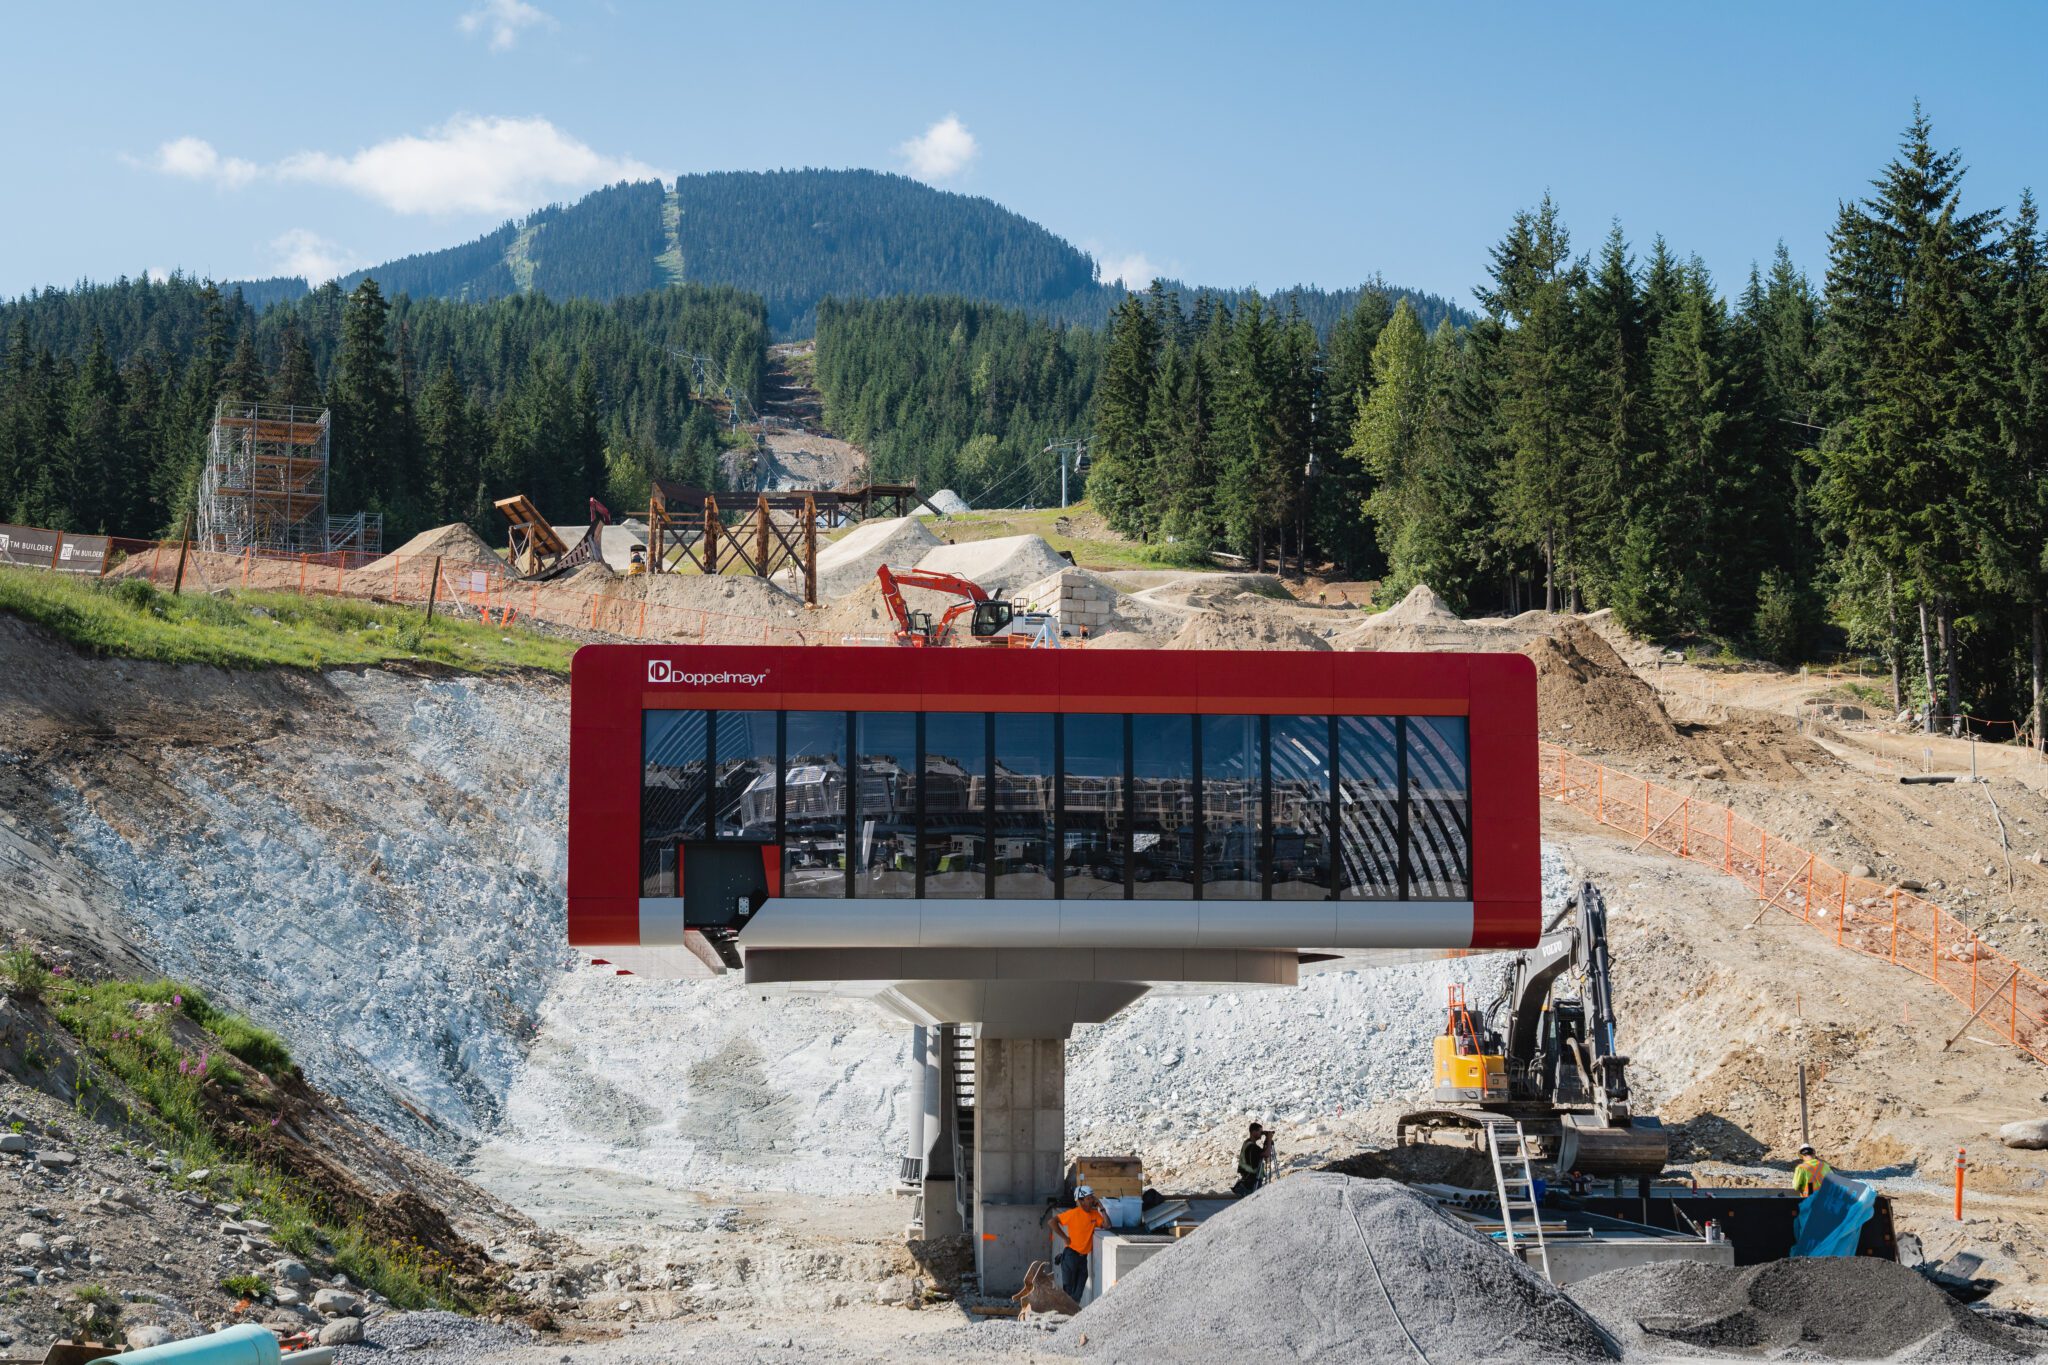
(611, 685)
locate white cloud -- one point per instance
(943, 151)
(504, 21)
(1134, 269)
(192, 158)
(470, 164)
(305, 253)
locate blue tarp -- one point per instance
(1831, 1219)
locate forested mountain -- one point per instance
(956, 394)
(795, 238)
(438, 406)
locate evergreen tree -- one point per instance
(295, 384)
(367, 441)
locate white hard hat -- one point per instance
(1082, 1192)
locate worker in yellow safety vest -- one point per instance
(1810, 1171)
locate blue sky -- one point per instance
(1226, 144)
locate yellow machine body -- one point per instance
(1468, 1078)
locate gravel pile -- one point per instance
(443, 1338)
(1855, 1308)
(1003, 566)
(848, 564)
(1323, 1267)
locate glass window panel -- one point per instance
(672, 794)
(1439, 837)
(1094, 782)
(885, 804)
(1301, 807)
(1368, 809)
(1163, 824)
(814, 804)
(955, 835)
(1231, 809)
(745, 750)
(1023, 796)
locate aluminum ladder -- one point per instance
(1512, 1181)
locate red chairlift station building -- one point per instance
(1010, 842)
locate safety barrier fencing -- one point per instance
(1877, 919)
(494, 596)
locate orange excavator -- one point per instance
(989, 622)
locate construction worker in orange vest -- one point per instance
(1076, 1229)
(1810, 1171)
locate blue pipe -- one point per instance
(249, 1344)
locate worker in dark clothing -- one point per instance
(1076, 1229)
(1252, 1159)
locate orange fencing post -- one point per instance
(1600, 792)
(1934, 942)
(1842, 909)
(1646, 810)
(302, 575)
(1727, 837)
(1976, 951)
(1895, 926)
(1685, 830)
(1959, 1184)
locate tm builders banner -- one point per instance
(82, 554)
(29, 547)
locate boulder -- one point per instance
(285, 1296)
(13, 1142)
(292, 1272)
(342, 1332)
(334, 1303)
(143, 1337)
(34, 1243)
(2028, 1134)
(895, 1290)
(56, 1161)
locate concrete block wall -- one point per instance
(1079, 599)
(1020, 1137)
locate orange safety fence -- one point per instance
(494, 596)
(1870, 917)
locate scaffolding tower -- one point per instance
(264, 486)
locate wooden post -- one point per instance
(810, 552)
(184, 547)
(1805, 1134)
(434, 588)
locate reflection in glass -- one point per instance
(814, 805)
(745, 750)
(1023, 777)
(1301, 807)
(885, 806)
(1231, 829)
(1094, 793)
(955, 805)
(672, 794)
(1439, 835)
(1163, 822)
(1368, 808)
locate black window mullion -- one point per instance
(1265, 808)
(1200, 820)
(1128, 839)
(1335, 851)
(1401, 803)
(917, 813)
(852, 752)
(711, 775)
(781, 779)
(1059, 806)
(988, 806)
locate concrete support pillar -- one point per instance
(1020, 1137)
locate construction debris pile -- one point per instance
(1329, 1267)
(1843, 1308)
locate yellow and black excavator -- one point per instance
(1551, 1063)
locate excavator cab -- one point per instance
(991, 618)
(1469, 1066)
(918, 628)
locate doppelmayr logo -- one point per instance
(662, 671)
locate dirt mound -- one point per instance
(1325, 1267)
(947, 502)
(1003, 566)
(454, 543)
(1421, 607)
(1843, 1308)
(848, 564)
(1588, 698)
(1260, 631)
